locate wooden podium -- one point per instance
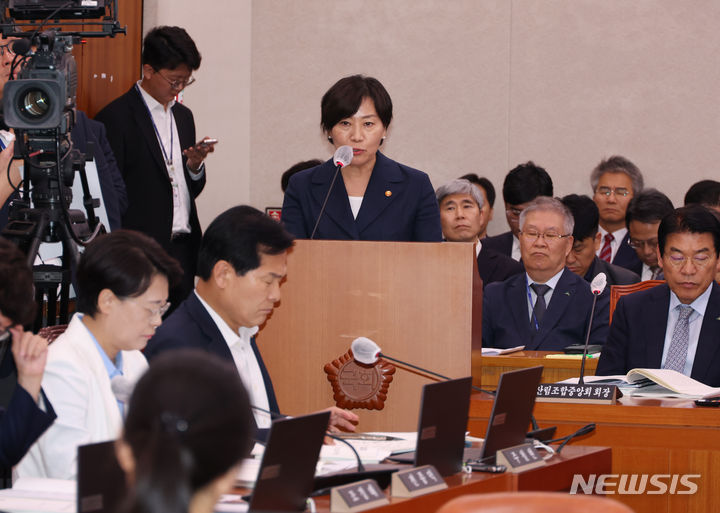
(415, 300)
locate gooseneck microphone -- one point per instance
(343, 156)
(596, 286)
(367, 352)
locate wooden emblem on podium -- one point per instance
(356, 385)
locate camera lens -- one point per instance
(35, 104)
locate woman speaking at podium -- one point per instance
(373, 197)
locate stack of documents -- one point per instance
(659, 383)
(30, 494)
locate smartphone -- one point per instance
(207, 142)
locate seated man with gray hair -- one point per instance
(547, 307)
(462, 220)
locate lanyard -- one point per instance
(168, 160)
(532, 309)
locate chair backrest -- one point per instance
(618, 291)
(533, 502)
(52, 332)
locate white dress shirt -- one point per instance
(515, 252)
(532, 298)
(246, 363)
(169, 141)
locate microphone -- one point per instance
(122, 388)
(596, 286)
(367, 352)
(343, 156)
(21, 46)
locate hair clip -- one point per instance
(173, 423)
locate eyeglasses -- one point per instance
(177, 84)
(549, 237)
(617, 191)
(679, 260)
(639, 244)
(7, 47)
(514, 212)
(159, 311)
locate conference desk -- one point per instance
(647, 436)
(486, 370)
(557, 475)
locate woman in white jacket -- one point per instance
(122, 280)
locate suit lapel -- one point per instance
(517, 299)
(145, 127)
(338, 206)
(386, 183)
(213, 338)
(563, 294)
(709, 340)
(654, 332)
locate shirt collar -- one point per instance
(243, 335)
(152, 103)
(552, 282)
(113, 368)
(700, 303)
(618, 235)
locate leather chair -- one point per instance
(618, 291)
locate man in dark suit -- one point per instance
(243, 259)
(461, 218)
(522, 184)
(642, 218)
(586, 240)
(674, 325)
(548, 307)
(22, 363)
(614, 182)
(153, 139)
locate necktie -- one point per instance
(540, 306)
(655, 273)
(677, 353)
(606, 251)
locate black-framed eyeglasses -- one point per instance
(177, 84)
(7, 47)
(617, 191)
(639, 244)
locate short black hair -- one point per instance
(188, 422)
(239, 236)
(483, 182)
(692, 218)
(650, 206)
(585, 213)
(704, 192)
(169, 47)
(525, 183)
(343, 100)
(296, 168)
(123, 261)
(17, 301)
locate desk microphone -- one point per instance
(596, 286)
(343, 156)
(367, 352)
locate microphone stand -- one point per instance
(587, 340)
(338, 165)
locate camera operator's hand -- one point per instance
(30, 353)
(196, 154)
(6, 188)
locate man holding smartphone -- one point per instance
(153, 138)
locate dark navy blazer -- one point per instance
(399, 205)
(191, 327)
(501, 243)
(637, 335)
(506, 318)
(615, 274)
(627, 257)
(494, 266)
